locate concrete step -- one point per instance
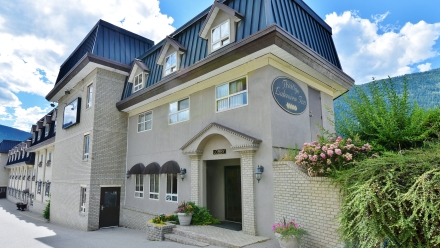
(184, 240)
(202, 238)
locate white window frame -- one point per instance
(89, 96)
(154, 193)
(172, 194)
(39, 135)
(221, 38)
(145, 121)
(82, 199)
(136, 85)
(179, 111)
(230, 95)
(54, 126)
(139, 193)
(172, 66)
(86, 147)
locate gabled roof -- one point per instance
(137, 64)
(169, 42)
(216, 7)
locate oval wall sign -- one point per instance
(289, 95)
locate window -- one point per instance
(139, 182)
(138, 82)
(171, 63)
(220, 36)
(54, 126)
(179, 111)
(83, 197)
(22, 155)
(89, 95)
(154, 186)
(47, 189)
(231, 95)
(171, 188)
(144, 121)
(46, 130)
(33, 137)
(86, 147)
(39, 188)
(39, 135)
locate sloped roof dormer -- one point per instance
(173, 43)
(216, 7)
(137, 67)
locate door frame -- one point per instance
(118, 204)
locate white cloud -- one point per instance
(366, 53)
(24, 118)
(37, 37)
(424, 67)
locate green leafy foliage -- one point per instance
(202, 216)
(395, 197)
(385, 118)
(46, 212)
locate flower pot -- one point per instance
(184, 219)
(287, 242)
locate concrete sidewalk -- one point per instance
(27, 229)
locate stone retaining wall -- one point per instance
(156, 233)
(312, 201)
(135, 218)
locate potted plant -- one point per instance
(289, 233)
(159, 226)
(184, 213)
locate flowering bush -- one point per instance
(161, 219)
(185, 207)
(320, 157)
(289, 229)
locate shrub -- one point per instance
(46, 212)
(385, 118)
(201, 216)
(395, 197)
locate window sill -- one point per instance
(221, 111)
(177, 122)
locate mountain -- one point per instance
(423, 87)
(10, 133)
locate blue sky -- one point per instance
(373, 38)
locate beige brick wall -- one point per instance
(135, 218)
(247, 191)
(312, 201)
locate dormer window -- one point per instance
(220, 36)
(39, 135)
(171, 64)
(138, 82)
(54, 126)
(46, 130)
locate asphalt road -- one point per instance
(27, 229)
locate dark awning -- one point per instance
(137, 169)
(152, 168)
(170, 167)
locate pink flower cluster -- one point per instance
(287, 225)
(319, 158)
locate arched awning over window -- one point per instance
(152, 168)
(137, 169)
(170, 167)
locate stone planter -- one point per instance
(156, 233)
(184, 219)
(287, 242)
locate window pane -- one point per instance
(173, 118)
(167, 62)
(141, 118)
(173, 59)
(140, 79)
(225, 29)
(156, 183)
(148, 117)
(151, 183)
(174, 198)
(168, 71)
(148, 125)
(173, 107)
(174, 183)
(184, 104)
(225, 42)
(216, 34)
(238, 100)
(169, 183)
(182, 116)
(222, 104)
(222, 91)
(216, 45)
(237, 86)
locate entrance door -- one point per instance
(2, 192)
(233, 193)
(315, 112)
(110, 202)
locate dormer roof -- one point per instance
(216, 7)
(137, 65)
(169, 42)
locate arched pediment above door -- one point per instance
(239, 141)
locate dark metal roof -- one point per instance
(108, 41)
(137, 169)
(170, 167)
(10, 133)
(141, 65)
(152, 168)
(294, 16)
(7, 145)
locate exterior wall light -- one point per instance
(182, 173)
(259, 172)
(67, 92)
(128, 174)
